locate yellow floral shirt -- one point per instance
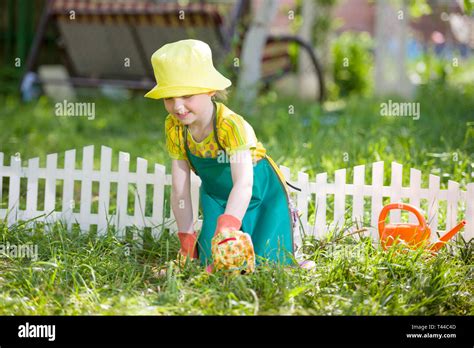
(233, 132)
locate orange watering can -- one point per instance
(414, 235)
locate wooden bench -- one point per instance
(106, 42)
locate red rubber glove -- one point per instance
(188, 244)
(227, 221)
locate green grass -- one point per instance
(88, 274)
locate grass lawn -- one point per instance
(85, 274)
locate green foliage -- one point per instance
(10, 78)
(430, 67)
(468, 7)
(419, 8)
(352, 64)
(323, 22)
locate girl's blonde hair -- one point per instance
(221, 95)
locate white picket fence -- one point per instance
(459, 203)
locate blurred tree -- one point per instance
(317, 23)
(390, 37)
(252, 50)
(391, 34)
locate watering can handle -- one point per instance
(402, 206)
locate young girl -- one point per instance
(241, 187)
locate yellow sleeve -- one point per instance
(237, 134)
(174, 138)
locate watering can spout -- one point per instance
(444, 239)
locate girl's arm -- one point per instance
(181, 195)
(242, 177)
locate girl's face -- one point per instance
(190, 108)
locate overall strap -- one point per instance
(294, 187)
(214, 123)
(185, 137)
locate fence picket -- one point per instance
(433, 204)
(86, 186)
(140, 193)
(171, 222)
(140, 198)
(396, 190)
(122, 193)
(68, 187)
(320, 205)
(452, 208)
(358, 200)
(469, 215)
(14, 189)
(50, 185)
(377, 202)
(339, 197)
(104, 189)
(415, 191)
(302, 203)
(32, 187)
(158, 200)
(1, 182)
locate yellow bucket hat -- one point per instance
(183, 68)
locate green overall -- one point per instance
(267, 219)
